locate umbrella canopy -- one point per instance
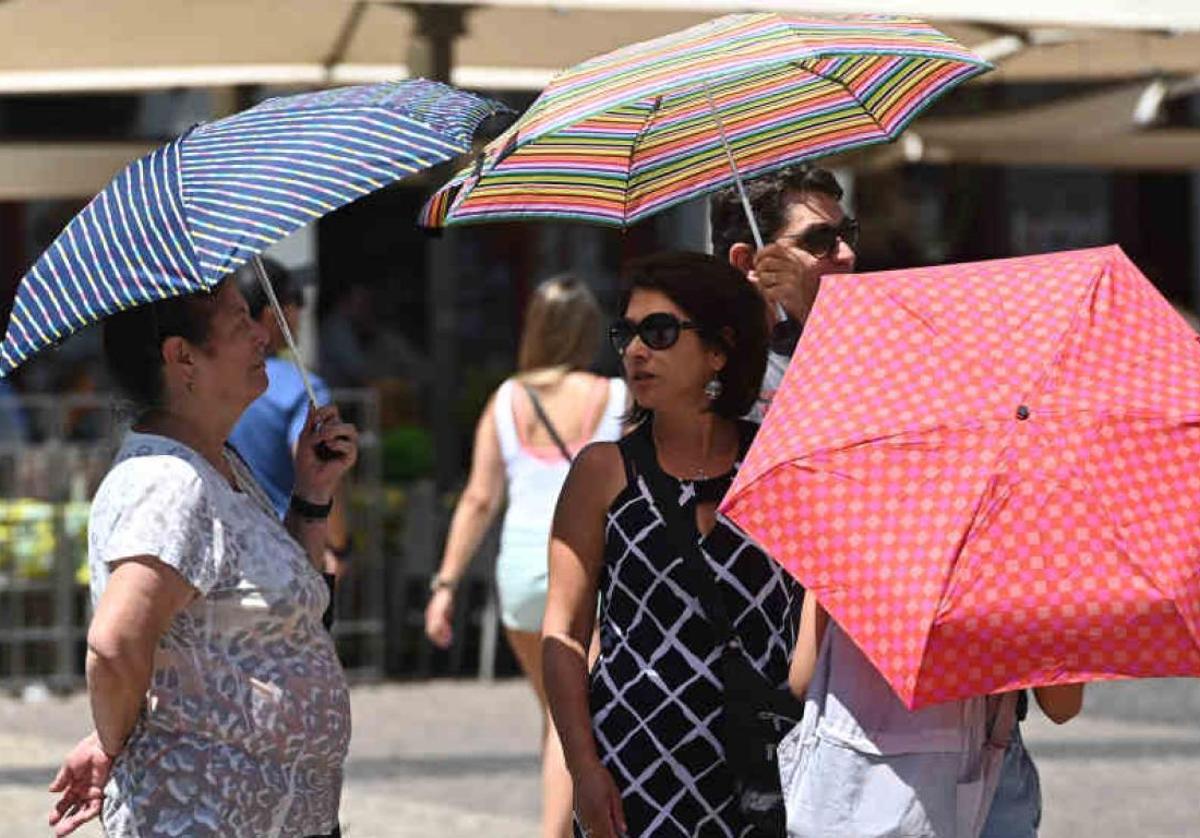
(629, 133)
(184, 216)
(987, 474)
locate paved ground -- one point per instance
(458, 759)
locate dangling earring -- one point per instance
(713, 388)
(190, 384)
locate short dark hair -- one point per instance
(133, 341)
(766, 195)
(718, 298)
(286, 289)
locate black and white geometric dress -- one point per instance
(655, 692)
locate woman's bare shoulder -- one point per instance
(597, 474)
(599, 461)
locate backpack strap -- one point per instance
(546, 423)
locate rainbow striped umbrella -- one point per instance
(180, 219)
(632, 132)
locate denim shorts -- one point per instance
(1017, 807)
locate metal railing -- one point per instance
(46, 484)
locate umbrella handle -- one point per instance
(265, 282)
(780, 314)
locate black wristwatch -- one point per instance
(308, 510)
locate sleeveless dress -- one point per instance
(535, 477)
(655, 692)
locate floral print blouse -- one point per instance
(246, 723)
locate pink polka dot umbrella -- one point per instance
(989, 473)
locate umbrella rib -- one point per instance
(654, 110)
(1120, 542)
(832, 80)
(1126, 553)
(1055, 362)
(843, 445)
(178, 211)
(916, 315)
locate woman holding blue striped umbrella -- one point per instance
(219, 702)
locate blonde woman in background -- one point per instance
(531, 429)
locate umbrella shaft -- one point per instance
(737, 175)
(265, 281)
(780, 314)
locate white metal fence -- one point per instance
(46, 483)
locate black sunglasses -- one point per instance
(821, 240)
(659, 330)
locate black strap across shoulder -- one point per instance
(546, 423)
(631, 454)
(682, 532)
(756, 715)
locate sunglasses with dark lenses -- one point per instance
(657, 331)
(821, 240)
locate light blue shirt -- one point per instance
(862, 765)
(12, 419)
(266, 434)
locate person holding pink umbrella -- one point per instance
(809, 235)
(861, 763)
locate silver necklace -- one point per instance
(698, 472)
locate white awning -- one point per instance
(78, 45)
(1108, 129)
(62, 170)
(1166, 150)
(83, 45)
(1175, 15)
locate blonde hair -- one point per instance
(562, 326)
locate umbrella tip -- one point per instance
(493, 125)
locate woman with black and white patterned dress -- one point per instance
(641, 733)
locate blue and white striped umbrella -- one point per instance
(183, 217)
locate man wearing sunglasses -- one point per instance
(807, 235)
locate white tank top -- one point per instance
(536, 473)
